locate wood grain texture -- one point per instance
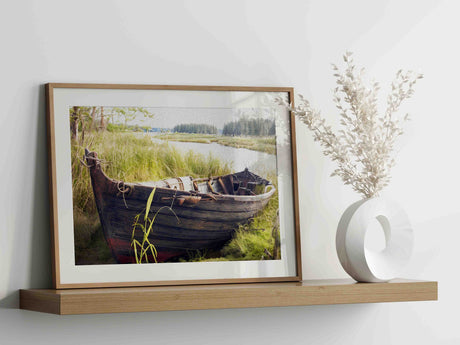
(171, 87)
(295, 185)
(40, 300)
(52, 186)
(160, 298)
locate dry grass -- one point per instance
(262, 144)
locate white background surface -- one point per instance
(257, 43)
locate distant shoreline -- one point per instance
(265, 144)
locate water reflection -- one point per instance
(238, 158)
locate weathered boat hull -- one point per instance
(187, 220)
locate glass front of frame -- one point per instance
(174, 185)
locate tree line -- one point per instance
(250, 126)
(199, 128)
(242, 126)
(98, 119)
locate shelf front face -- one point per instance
(160, 298)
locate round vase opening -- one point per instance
(378, 234)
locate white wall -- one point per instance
(257, 43)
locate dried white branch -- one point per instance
(363, 147)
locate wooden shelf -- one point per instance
(141, 299)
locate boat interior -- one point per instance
(241, 183)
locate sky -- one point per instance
(168, 117)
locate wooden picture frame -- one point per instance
(135, 225)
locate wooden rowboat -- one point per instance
(205, 212)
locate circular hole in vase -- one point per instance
(378, 234)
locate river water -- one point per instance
(239, 158)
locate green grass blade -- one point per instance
(149, 203)
(147, 233)
(154, 252)
(135, 252)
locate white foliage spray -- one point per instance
(363, 147)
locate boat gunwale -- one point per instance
(218, 197)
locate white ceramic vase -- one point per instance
(366, 265)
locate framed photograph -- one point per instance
(171, 185)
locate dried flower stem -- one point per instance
(364, 146)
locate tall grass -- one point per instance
(130, 157)
(257, 240)
(141, 248)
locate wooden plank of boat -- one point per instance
(192, 214)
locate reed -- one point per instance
(142, 248)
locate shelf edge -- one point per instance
(117, 300)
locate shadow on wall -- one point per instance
(278, 325)
(37, 272)
(40, 259)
